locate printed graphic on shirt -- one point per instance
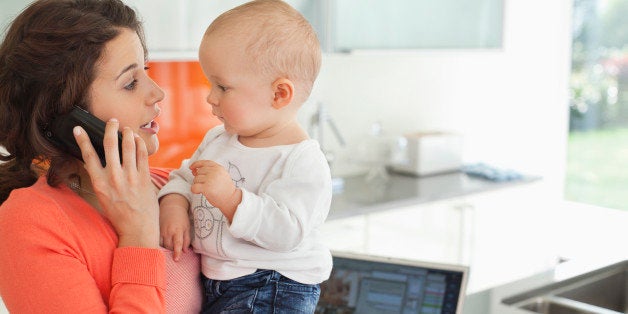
(236, 176)
(209, 221)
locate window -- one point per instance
(597, 157)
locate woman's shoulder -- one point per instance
(27, 199)
(38, 207)
(55, 218)
(46, 207)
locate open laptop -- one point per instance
(369, 284)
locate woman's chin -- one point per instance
(152, 144)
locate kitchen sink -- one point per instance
(602, 291)
(553, 305)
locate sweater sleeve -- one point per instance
(138, 281)
(286, 211)
(52, 263)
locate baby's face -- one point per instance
(240, 96)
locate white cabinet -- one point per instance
(174, 29)
(502, 235)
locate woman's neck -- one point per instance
(79, 182)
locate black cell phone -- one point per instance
(59, 132)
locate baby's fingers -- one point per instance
(167, 242)
(202, 166)
(178, 246)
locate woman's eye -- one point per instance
(131, 86)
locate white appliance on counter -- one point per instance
(428, 153)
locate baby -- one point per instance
(257, 189)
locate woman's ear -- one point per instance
(283, 90)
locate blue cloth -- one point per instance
(264, 291)
(487, 172)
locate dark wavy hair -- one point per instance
(47, 63)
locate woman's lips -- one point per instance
(151, 127)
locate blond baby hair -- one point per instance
(279, 40)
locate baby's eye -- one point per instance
(222, 88)
(131, 86)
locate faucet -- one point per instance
(317, 129)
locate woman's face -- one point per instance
(123, 90)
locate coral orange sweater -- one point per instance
(59, 255)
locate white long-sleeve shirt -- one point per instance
(286, 195)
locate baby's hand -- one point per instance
(174, 226)
(214, 182)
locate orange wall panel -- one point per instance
(185, 116)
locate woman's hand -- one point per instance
(125, 191)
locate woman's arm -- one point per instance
(59, 256)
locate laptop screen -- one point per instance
(367, 284)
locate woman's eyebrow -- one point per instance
(128, 68)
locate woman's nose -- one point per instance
(157, 94)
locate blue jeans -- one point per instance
(264, 291)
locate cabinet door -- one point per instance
(415, 24)
(174, 29)
(511, 234)
(428, 232)
(347, 235)
(341, 25)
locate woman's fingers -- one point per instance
(90, 157)
(141, 156)
(110, 143)
(128, 150)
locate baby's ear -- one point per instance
(283, 90)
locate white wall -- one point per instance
(511, 104)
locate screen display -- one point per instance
(361, 286)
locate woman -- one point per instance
(74, 237)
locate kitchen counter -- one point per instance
(490, 301)
(361, 196)
(446, 218)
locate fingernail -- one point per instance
(76, 130)
(113, 120)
